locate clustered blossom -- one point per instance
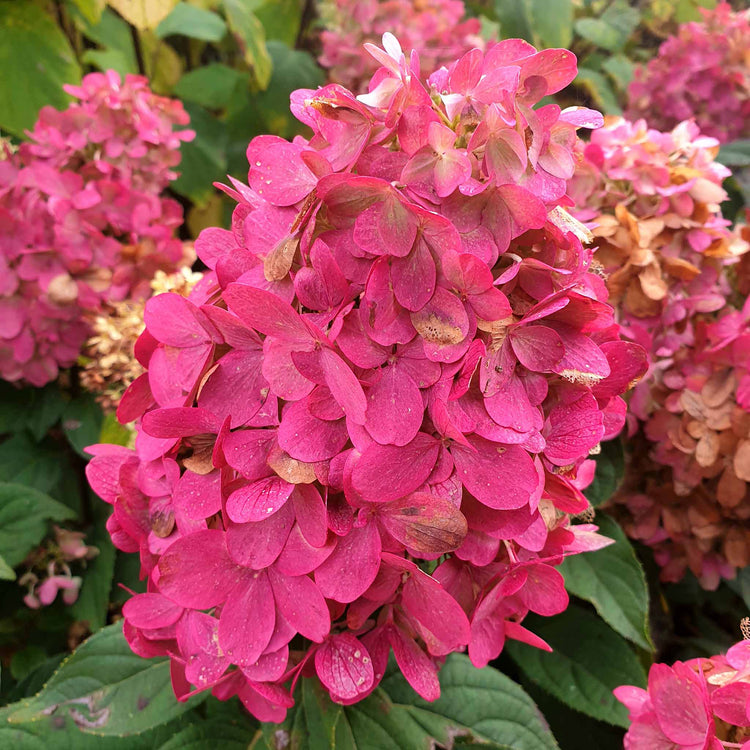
(368, 426)
(52, 562)
(82, 218)
(438, 29)
(652, 202)
(703, 73)
(109, 365)
(701, 703)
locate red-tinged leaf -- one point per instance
(418, 669)
(427, 526)
(258, 500)
(344, 666)
(302, 605)
(277, 172)
(196, 570)
(344, 386)
(151, 611)
(395, 410)
(307, 438)
(388, 472)
(247, 619)
(268, 314)
(538, 348)
(257, 545)
(499, 476)
(349, 571)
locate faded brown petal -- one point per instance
(742, 461)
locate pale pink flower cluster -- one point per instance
(52, 562)
(437, 29)
(367, 427)
(83, 219)
(702, 73)
(652, 202)
(700, 704)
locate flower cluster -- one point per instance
(52, 562)
(652, 201)
(434, 27)
(701, 703)
(82, 219)
(702, 73)
(367, 427)
(109, 363)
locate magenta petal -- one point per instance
(311, 513)
(394, 408)
(198, 496)
(269, 667)
(538, 348)
(300, 557)
(442, 323)
(247, 451)
(277, 171)
(344, 666)
(268, 314)
(247, 619)
(544, 590)
(307, 438)
(413, 277)
(573, 430)
(627, 363)
(151, 611)
(344, 386)
(300, 602)
(257, 545)
(179, 422)
(680, 701)
(418, 669)
(499, 476)
(196, 570)
(349, 571)
(388, 472)
(172, 319)
(258, 500)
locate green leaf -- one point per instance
(688, 10)
(481, 703)
(552, 22)
(24, 513)
(112, 33)
(612, 579)
(251, 37)
(322, 715)
(281, 19)
(109, 59)
(93, 601)
(735, 154)
(113, 432)
(24, 662)
(22, 461)
(204, 159)
(107, 690)
(514, 19)
(610, 470)
(6, 572)
(211, 86)
(91, 10)
(620, 70)
(82, 423)
(210, 735)
(600, 90)
(612, 30)
(196, 23)
(36, 60)
(588, 661)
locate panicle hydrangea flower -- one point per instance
(438, 29)
(702, 73)
(698, 704)
(367, 427)
(82, 218)
(652, 202)
(52, 562)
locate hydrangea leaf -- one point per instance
(587, 662)
(24, 513)
(25, 29)
(613, 581)
(130, 696)
(210, 86)
(143, 14)
(6, 572)
(610, 469)
(251, 37)
(196, 23)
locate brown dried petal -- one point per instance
(707, 450)
(693, 404)
(730, 490)
(652, 283)
(680, 268)
(742, 461)
(290, 469)
(718, 388)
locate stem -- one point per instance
(138, 50)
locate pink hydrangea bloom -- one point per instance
(701, 73)
(369, 424)
(82, 218)
(436, 28)
(652, 201)
(701, 704)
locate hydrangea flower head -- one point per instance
(702, 73)
(366, 428)
(436, 28)
(694, 705)
(82, 218)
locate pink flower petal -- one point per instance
(259, 499)
(344, 666)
